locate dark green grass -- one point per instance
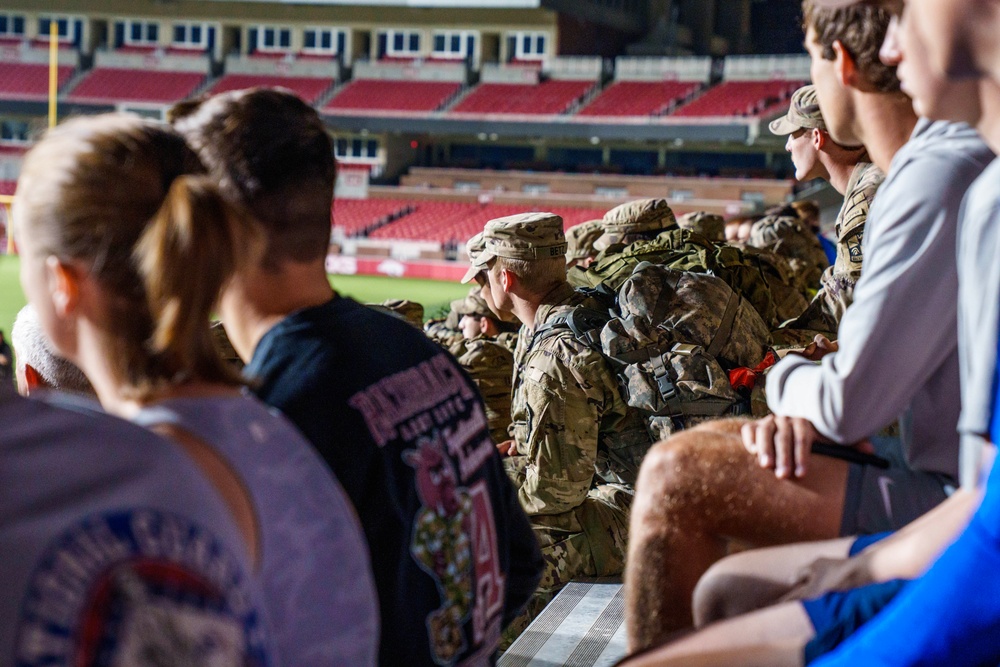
(434, 295)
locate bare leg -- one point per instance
(756, 579)
(771, 637)
(696, 490)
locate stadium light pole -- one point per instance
(53, 70)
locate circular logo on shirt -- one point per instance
(138, 588)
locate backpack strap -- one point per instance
(721, 336)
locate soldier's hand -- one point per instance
(507, 448)
(781, 444)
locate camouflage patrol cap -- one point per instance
(709, 225)
(581, 239)
(411, 311)
(525, 236)
(473, 304)
(772, 229)
(803, 114)
(474, 247)
(642, 215)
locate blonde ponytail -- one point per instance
(187, 254)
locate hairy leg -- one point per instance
(771, 637)
(695, 491)
(755, 579)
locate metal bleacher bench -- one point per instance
(583, 626)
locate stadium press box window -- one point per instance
(324, 41)
(402, 43)
(356, 149)
(142, 33)
(11, 25)
(455, 44)
(270, 38)
(528, 45)
(190, 35)
(68, 28)
(15, 131)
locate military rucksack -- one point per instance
(490, 364)
(685, 250)
(670, 338)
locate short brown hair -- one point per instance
(539, 276)
(272, 156)
(861, 29)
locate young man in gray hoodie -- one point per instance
(755, 481)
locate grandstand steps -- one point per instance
(205, 86)
(74, 81)
(586, 99)
(330, 93)
(455, 99)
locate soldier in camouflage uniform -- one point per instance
(709, 225)
(848, 170)
(489, 362)
(788, 236)
(564, 395)
(638, 220)
(581, 238)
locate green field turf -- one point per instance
(433, 294)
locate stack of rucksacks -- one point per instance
(678, 315)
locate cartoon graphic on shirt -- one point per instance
(442, 546)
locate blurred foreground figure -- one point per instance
(390, 412)
(38, 366)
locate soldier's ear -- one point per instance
(818, 139)
(507, 280)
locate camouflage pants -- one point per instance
(596, 551)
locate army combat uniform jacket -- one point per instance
(837, 291)
(564, 395)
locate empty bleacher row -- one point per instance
(161, 77)
(444, 222)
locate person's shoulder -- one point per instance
(943, 144)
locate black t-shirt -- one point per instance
(403, 428)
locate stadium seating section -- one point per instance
(639, 98)
(357, 216)
(739, 98)
(113, 85)
(546, 98)
(308, 88)
(392, 96)
(456, 222)
(30, 82)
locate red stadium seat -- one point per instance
(111, 85)
(738, 98)
(308, 88)
(392, 96)
(456, 222)
(29, 82)
(355, 216)
(546, 99)
(638, 98)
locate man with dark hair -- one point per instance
(393, 415)
(897, 359)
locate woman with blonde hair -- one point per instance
(125, 248)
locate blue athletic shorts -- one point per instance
(836, 616)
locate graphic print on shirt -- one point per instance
(127, 588)
(433, 412)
